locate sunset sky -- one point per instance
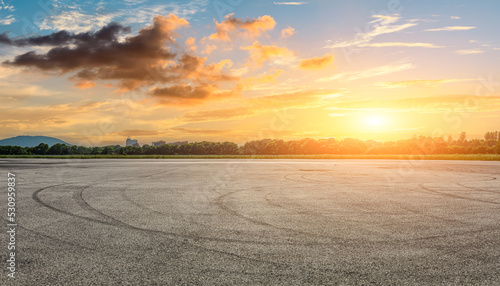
(97, 72)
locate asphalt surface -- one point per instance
(253, 222)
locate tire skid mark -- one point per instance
(180, 236)
(309, 212)
(117, 223)
(145, 176)
(287, 177)
(447, 235)
(149, 231)
(229, 240)
(456, 196)
(478, 189)
(270, 202)
(421, 213)
(123, 193)
(221, 205)
(350, 241)
(39, 201)
(306, 178)
(226, 240)
(78, 197)
(253, 259)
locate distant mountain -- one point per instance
(30, 141)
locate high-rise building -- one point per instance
(158, 143)
(131, 142)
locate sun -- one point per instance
(375, 121)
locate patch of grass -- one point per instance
(476, 157)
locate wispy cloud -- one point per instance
(256, 105)
(6, 71)
(383, 24)
(287, 33)
(146, 12)
(316, 63)
(400, 44)
(290, 3)
(233, 27)
(12, 91)
(75, 21)
(85, 84)
(455, 18)
(260, 81)
(259, 53)
(138, 132)
(419, 83)
(378, 71)
(6, 6)
(452, 28)
(198, 131)
(218, 114)
(430, 104)
(468, 52)
(8, 20)
(134, 2)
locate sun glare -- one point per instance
(375, 121)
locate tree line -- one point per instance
(416, 145)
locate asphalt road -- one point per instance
(253, 222)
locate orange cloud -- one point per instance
(255, 105)
(190, 43)
(85, 84)
(233, 27)
(184, 94)
(48, 117)
(209, 49)
(198, 131)
(134, 133)
(259, 53)
(226, 63)
(316, 63)
(249, 83)
(424, 104)
(288, 32)
(218, 114)
(419, 83)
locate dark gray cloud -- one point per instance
(105, 35)
(145, 59)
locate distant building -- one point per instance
(131, 142)
(158, 143)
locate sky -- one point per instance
(94, 73)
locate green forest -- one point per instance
(417, 145)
